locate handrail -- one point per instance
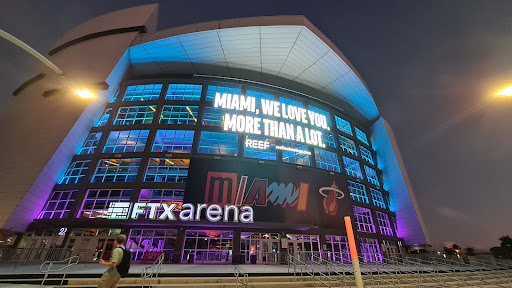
(245, 276)
(155, 270)
(50, 264)
(327, 266)
(312, 274)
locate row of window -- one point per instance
(192, 92)
(217, 143)
(97, 201)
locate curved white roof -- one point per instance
(286, 51)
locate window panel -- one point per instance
(212, 90)
(135, 115)
(371, 175)
(90, 144)
(218, 143)
(179, 114)
(126, 141)
(114, 97)
(322, 112)
(184, 92)
(58, 205)
(366, 154)
(265, 154)
(104, 118)
(75, 173)
(343, 125)
(370, 250)
(327, 160)
(383, 220)
(377, 198)
(328, 139)
(116, 170)
(296, 157)
(142, 92)
(215, 116)
(363, 219)
(361, 136)
(352, 167)
(176, 141)
(167, 170)
(357, 192)
(347, 145)
(97, 201)
(168, 196)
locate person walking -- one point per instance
(112, 276)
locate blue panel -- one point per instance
(296, 157)
(184, 92)
(167, 170)
(179, 114)
(347, 145)
(126, 141)
(218, 143)
(352, 167)
(175, 141)
(265, 154)
(361, 136)
(142, 92)
(116, 170)
(343, 125)
(212, 90)
(327, 160)
(357, 192)
(371, 175)
(135, 115)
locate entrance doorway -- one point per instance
(264, 247)
(304, 247)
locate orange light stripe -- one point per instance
(350, 236)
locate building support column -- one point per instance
(178, 249)
(236, 255)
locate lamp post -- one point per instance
(84, 93)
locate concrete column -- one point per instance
(237, 256)
(180, 243)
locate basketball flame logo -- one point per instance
(331, 194)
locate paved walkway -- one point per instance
(95, 268)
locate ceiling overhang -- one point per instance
(286, 51)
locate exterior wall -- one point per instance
(409, 219)
(47, 131)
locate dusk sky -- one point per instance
(431, 66)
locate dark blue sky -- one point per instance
(432, 67)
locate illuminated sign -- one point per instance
(268, 127)
(188, 212)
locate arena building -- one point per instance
(213, 142)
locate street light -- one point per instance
(84, 93)
(505, 92)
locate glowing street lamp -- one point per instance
(505, 92)
(84, 93)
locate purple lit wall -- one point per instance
(403, 202)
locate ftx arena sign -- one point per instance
(188, 212)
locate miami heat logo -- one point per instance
(331, 194)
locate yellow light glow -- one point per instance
(506, 92)
(84, 93)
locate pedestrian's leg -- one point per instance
(115, 279)
(105, 281)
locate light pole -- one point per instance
(84, 93)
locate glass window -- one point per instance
(97, 201)
(364, 220)
(343, 125)
(104, 118)
(75, 172)
(126, 141)
(328, 139)
(366, 154)
(142, 92)
(116, 170)
(167, 170)
(135, 115)
(114, 97)
(327, 160)
(168, 196)
(212, 90)
(383, 220)
(218, 143)
(184, 92)
(179, 114)
(176, 141)
(152, 241)
(352, 167)
(58, 205)
(357, 192)
(377, 198)
(347, 145)
(298, 154)
(371, 175)
(215, 116)
(322, 112)
(361, 136)
(269, 153)
(90, 144)
(260, 95)
(339, 248)
(370, 250)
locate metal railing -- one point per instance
(151, 272)
(245, 277)
(69, 262)
(303, 267)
